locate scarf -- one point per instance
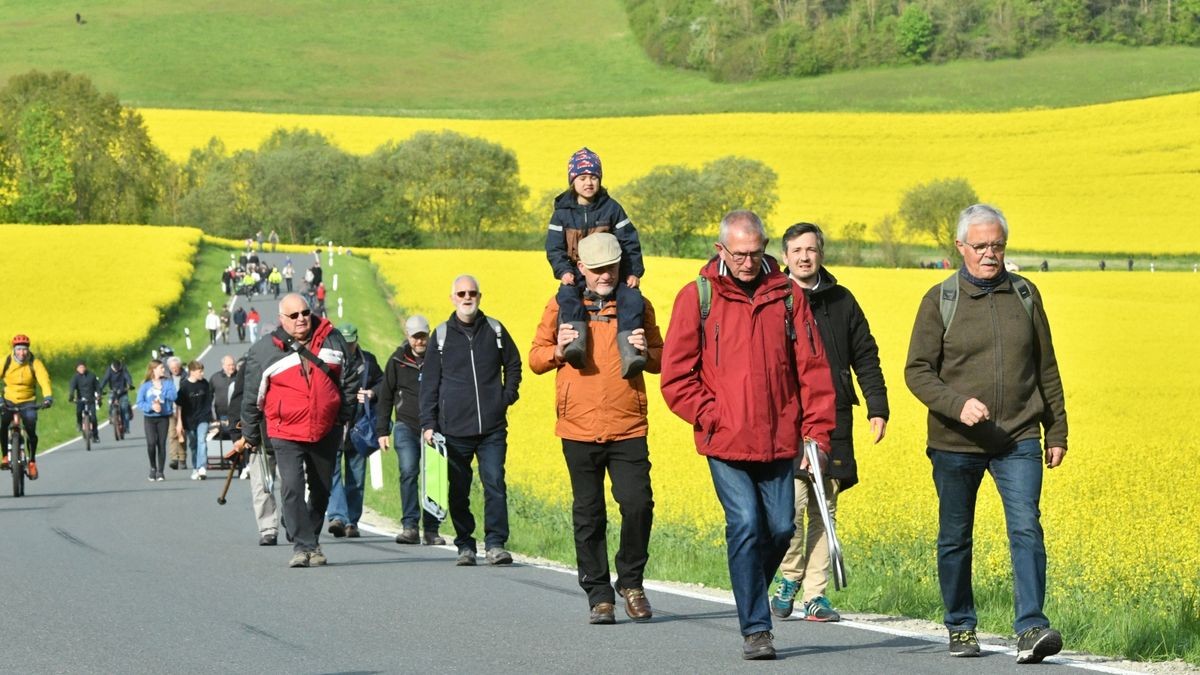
(986, 285)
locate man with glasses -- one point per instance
(466, 389)
(297, 382)
(981, 359)
(744, 365)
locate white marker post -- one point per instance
(187, 338)
(339, 308)
(376, 463)
(335, 283)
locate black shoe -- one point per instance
(633, 360)
(575, 353)
(1037, 643)
(267, 540)
(337, 528)
(174, 464)
(964, 643)
(759, 646)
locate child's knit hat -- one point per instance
(583, 161)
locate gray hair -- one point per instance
(744, 220)
(175, 359)
(980, 214)
(463, 277)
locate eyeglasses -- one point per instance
(980, 249)
(739, 258)
(296, 315)
(467, 294)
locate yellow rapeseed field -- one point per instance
(1120, 514)
(1108, 177)
(79, 289)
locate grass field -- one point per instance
(499, 59)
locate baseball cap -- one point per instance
(349, 331)
(598, 250)
(416, 324)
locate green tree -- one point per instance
(215, 191)
(43, 180)
(850, 242)
(914, 33)
(298, 184)
(931, 210)
(892, 242)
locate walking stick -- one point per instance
(232, 457)
(812, 452)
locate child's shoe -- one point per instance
(575, 353)
(633, 360)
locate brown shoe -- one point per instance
(602, 613)
(637, 607)
(352, 532)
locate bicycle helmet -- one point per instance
(20, 339)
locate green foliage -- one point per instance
(676, 207)
(71, 154)
(914, 33)
(931, 210)
(298, 185)
(893, 242)
(849, 245)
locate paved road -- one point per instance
(109, 573)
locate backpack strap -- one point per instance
(948, 301)
(292, 344)
(498, 330)
(1021, 286)
(704, 295)
(7, 363)
(439, 334)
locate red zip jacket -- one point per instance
(299, 403)
(737, 384)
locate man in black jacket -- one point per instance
(466, 388)
(848, 344)
(85, 392)
(399, 393)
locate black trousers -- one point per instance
(157, 429)
(302, 464)
(628, 465)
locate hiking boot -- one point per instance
(1037, 643)
(337, 528)
(316, 557)
(496, 555)
(602, 614)
(31, 470)
(352, 532)
(633, 360)
(466, 558)
(964, 643)
(819, 609)
(408, 535)
(299, 559)
(267, 540)
(637, 607)
(759, 646)
(575, 353)
(432, 538)
(784, 599)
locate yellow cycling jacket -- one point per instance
(20, 378)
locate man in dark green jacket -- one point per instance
(981, 359)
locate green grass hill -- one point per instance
(499, 59)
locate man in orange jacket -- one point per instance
(602, 423)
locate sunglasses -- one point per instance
(296, 315)
(467, 294)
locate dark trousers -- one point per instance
(302, 464)
(29, 415)
(157, 429)
(490, 451)
(630, 305)
(241, 329)
(628, 466)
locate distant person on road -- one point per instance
(288, 272)
(274, 239)
(1129, 264)
(252, 321)
(753, 381)
(583, 209)
(297, 382)
(1045, 266)
(195, 413)
(848, 345)
(275, 279)
(466, 389)
(315, 275)
(118, 380)
(156, 399)
(399, 393)
(258, 240)
(225, 319)
(603, 427)
(22, 374)
(987, 371)
(1102, 265)
(176, 444)
(84, 390)
(212, 323)
(350, 465)
(239, 322)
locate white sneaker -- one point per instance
(202, 472)
(195, 475)
(246, 473)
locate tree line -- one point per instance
(759, 39)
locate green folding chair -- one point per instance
(435, 481)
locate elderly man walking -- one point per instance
(603, 427)
(744, 365)
(981, 359)
(466, 389)
(297, 381)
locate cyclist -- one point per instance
(22, 372)
(120, 381)
(85, 392)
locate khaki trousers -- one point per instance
(807, 557)
(266, 514)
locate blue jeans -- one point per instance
(197, 440)
(346, 501)
(489, 450)
(408, 454)
(1018, 477)
(759, 499)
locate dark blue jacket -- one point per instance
(468, 384)
(573, 221)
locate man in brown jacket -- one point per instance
(602, 423)
(981, 359)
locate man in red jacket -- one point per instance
(296, 379)
(752, 379)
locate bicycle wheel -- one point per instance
(87, 433)
(16, 457)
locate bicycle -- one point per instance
(18, 464)
(118, 410)
(88, 424)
